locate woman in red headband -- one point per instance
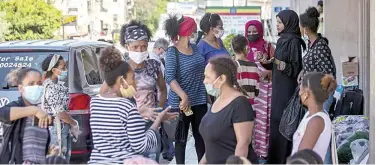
(185, 74)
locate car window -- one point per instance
(90, 63)
(13, 60)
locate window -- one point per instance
(102, 25)
(89, 5)
(14, 60)
(91, 69)
(115, 17)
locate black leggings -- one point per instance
(198, 112)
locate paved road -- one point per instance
(190, 151)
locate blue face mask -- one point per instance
(211, 90)
(63, 75)
(33, 93)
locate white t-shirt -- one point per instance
(322, 144)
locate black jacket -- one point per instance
(11, 150)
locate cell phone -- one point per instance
(174, 110)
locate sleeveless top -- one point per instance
(322, 144)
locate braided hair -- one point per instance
(226, 66)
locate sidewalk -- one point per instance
(190, 153)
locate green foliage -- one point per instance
(227, 42)
(116, 37)
(150, 14)
(30, 19)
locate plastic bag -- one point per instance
(359, 150)
(292, 115)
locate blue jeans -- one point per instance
(155, 152)
(327, 105)
(66, 140)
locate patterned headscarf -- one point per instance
(135, 33)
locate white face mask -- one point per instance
(138, 57)
(219, 34)
(163, 55)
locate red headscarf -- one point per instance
(259, 44)
(187, 27)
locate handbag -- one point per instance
(8, 154)
(291, 117)
(35, 144)
(175, 129)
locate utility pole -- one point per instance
(62, 23)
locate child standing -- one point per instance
(248, 76)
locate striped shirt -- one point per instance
(248, 78)
(118, 131)
(192, 69)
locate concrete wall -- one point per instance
(372, 74)
(346, 25)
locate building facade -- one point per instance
(95, 19)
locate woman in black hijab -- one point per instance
(287, 64)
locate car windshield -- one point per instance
(12, 60)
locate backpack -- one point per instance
(350, 103)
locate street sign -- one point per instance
(235, 18)
(70, 20)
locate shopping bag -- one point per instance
(35, 143)
(292, 115)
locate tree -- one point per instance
(150, 14)
(227, 43)
(30, 19)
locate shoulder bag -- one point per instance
(35, 143)
(175, 128)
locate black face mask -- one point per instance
(253, 37)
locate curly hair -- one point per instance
(310, 19)
(46, 63)
(133, 23)
(16, 76)
(112, 65)
(226, 66)
(172, 25)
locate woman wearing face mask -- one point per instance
(227, 127)
(211, 46)
(117, 127)
(318, 57)
(135, 37)
(56, 102)
(18, 113)
(287, 64)
(254, 32)
(185, 59)
(259, 49)
(314, 131)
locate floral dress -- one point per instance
(56, 100)
(146, 84)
